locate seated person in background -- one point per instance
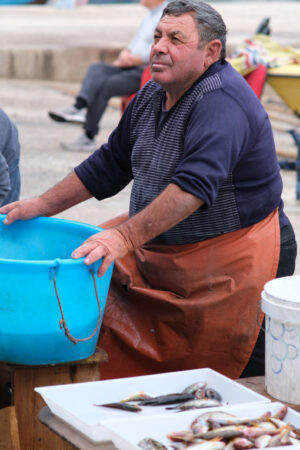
(9, 161)
(104, 81)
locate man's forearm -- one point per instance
(171, 207)
(65, 194)
(60, 197)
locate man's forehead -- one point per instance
(180, 23)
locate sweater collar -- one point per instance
(159, 95)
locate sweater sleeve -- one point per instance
(108, 170)
(215, 136)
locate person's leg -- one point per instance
(123, 82)
(96, 75)
(15, 183)
(76, 113)
(104, 82)
(286, 267)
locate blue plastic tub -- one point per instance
(36, 273)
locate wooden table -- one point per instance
(257, 384)
(21, 411)
(69, 434)
(80, 442)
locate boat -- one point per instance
(285, 81)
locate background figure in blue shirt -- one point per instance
(206, 227)
(9, 161)
(103, 81)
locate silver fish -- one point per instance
(192, 388)
(138, 396)
(195, 404)
(216, 414)
(181, 436)
(199, 425)
(123, 406)
(262, 441)
(223, 421)
(223, 432)
(151, 444)
(282, 438)
(254, 432)
(167, 399)
(211, 393)
(209, 445)
(281, 413)
(241, 443)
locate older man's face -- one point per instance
(176, 60)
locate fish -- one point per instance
(228, 432)
(208, 445)
(195, 404)
(167, 399)
(282, 438)
(223, 421)
(281, 413)
(138, 396)
(213, 394)
(192, 388)
(151, 444)
(256, 431)
(123, 406)
(181, 436)
(262, 441)
(268, 425)
(199, 425)
(216, 414)
(241, 443)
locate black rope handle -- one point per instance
(62, 322)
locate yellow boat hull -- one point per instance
(286, 82)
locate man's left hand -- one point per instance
(108, 244)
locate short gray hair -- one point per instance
(209, 22)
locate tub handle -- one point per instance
(62, 322)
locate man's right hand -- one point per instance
(22, 210)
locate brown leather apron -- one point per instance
(182, 307)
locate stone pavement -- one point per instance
(55, 46)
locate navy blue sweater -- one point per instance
(215, 143)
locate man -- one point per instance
(104, 81)
(9, 161)
(203, 236)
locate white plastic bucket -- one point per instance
(281, 304)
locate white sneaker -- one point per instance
(69, 114)
(81, 144)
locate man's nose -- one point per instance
(161, 46)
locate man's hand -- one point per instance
(126, 59)
(22, 210)
(109, 244)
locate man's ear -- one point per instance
(213, 50)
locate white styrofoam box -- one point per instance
(126, 434)
(75, 403)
